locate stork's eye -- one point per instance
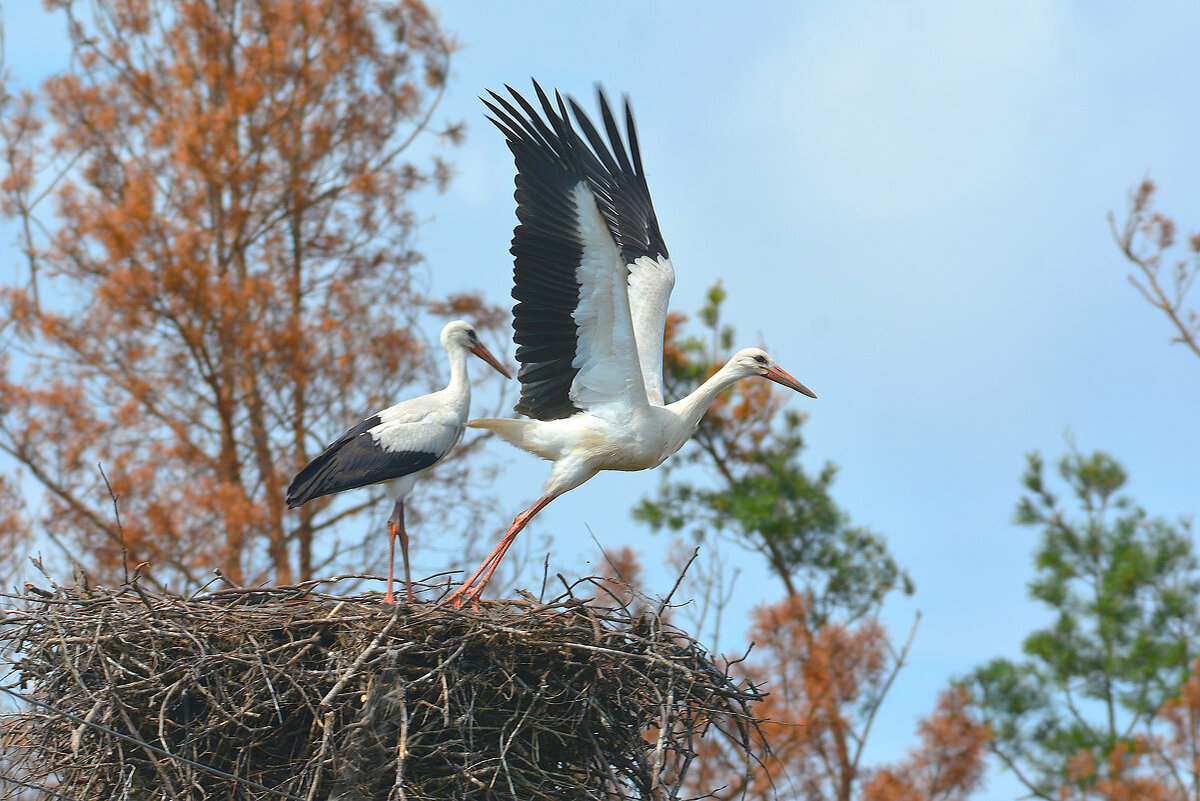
(760, 359)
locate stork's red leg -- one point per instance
(470, 592)
(495, 563)
(399, 513)
(396, 529)
(388, 598)
(467, 591)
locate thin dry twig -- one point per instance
(1146, 238)
(117, 515)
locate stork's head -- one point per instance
(460, 334)
(756, 362)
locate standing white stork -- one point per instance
(399, 444)
(592, 280)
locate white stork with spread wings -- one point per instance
(592, 281)
(399, 445)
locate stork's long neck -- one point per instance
(691, 408)
(460, 385)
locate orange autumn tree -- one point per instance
(826, 684)
(217, 275)
(821, 653)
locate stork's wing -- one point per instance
(651, 280)
(394, 443)
(583, 323)
(629, 212)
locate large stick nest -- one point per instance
(290, 692)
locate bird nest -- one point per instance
(288, 692)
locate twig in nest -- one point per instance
(120, 529)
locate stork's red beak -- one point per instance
(781, 376)
(482, 352)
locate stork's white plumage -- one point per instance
(592, 282)
(399, 444)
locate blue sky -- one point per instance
(906, 202)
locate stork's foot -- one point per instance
(466, 594)
(390, 598)
(471, 589)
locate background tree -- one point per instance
(821, 652)
(1081, 713)
(948, 764)
(1166, 268)
(12, 525)
(214, 218)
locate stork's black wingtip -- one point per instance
(297, 493)
(575, 107)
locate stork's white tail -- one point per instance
(514, 432)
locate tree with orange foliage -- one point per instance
(948, 765)
(218, 277)
(821, 652)
(826, 683)
(12, 525)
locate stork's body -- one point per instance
(592, 279)
(399, 445)
(610, 436)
